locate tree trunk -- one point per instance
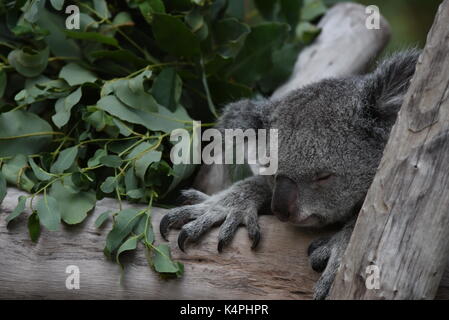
(403, 227)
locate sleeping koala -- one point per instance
(331, 138)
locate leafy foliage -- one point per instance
(85, 113)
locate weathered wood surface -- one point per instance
(403, 227)
(277, 270)
(344, 47)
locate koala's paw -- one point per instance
(319, 253)
(201, 212)
(325, 256)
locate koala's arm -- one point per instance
(326, 255)
(238, 205)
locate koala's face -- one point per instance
(326, 157)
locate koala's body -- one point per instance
(331, 138)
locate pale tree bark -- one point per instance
(403, 227)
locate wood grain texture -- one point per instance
(403, 227)
(344, 47)
(278, 269)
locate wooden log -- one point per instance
(403, 227)
(279, 269)
(344, 47)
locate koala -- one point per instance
(331, 137)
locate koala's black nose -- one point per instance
(285, 196)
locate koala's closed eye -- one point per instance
(323, 178)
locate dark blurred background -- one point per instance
(410, 20)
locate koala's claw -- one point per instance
(220, 245)
(164, 226)
(256, 239)
(319, 254)
(203, 212)
(182, 238)
(320, 258)
(176, 218)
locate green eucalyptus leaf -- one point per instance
(312, 9)
(14, 171)
(65, 160)
(109, 185)
(256, 55)
(2, 187)
(75, 75)
(34, 227)
(64, 106)
(40, 173)
(149, 7)
(56, 37)
(122, 18)
(57, 4)
(101, 219)
(92, 36)
(162, 261)
(32, 10)
(76, 204)
(167, 88)
(123, 225)
(136, 193)
(136, 84)
(137, 99)
(230, 35)
(291, 10)
(18, 210)
(145, 160)
(195, 20)
(129, 245)
(95, 160)
(125, 130)
(29, 62)
(131, 182)
(49, 212)
(101, 6)
(41, 88)
(3, 82)
(163, 120)
(111, 161)
(174, 36)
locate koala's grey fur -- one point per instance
(331, 138)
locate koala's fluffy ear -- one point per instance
(388, 84)
(245, 114)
